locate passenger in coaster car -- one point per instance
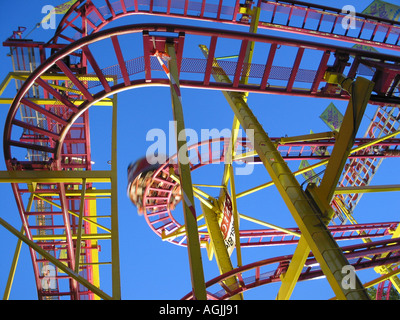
(140, 176)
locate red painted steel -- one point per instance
(56, 146)
(294, 17)
(91, 96)
(360, 257)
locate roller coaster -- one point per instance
(240, 49)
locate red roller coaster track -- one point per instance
(59, 139)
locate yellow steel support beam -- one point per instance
(307, 216)
(218, 244)
(360, 91)
(228, 176)
(31, 178)
(16, 254)
(115, 268)
(384, 270)
(13, 268)
(93, 243)
(367, 189)
(236, 218)
(54, 176)
(17, 250)
(207, 186)
(269, 225)
(318, 164)
(182, 232)
(20, 75)
(289, 278)
(193, 243)
(80, 227)
(85, 236)
(309, 137)
(89, 194)
(92, 222)
(393, 273)
(52, 102)
(53, 260)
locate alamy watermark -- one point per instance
(49, 277)
(349, 20)
(157, 151)
(349, 279)
(49, 20)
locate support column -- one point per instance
(360, 91)
(218, 244)
(306, 214)
(55, 261)
(115, 272)
(13, 268)
(193, 243)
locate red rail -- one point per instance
(63, 143)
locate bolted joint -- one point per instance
(326, 211)
(339, 79)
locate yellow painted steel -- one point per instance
(52, 102)
(318, 164)
(388, 269)
(91, 221)
(31, 178)
(94, 244)
(13, 268)
(209, 199)
(269, 225)
(193, 243)
(384, 270)
(54, 176)
(80, 227)
(306, 215)
(182, 232)
(360, 91)
(228, 177)
(90, 193)
(285, 140)
(393, 273)
(85, 236)
(221, 253)
(21, 75)
(289, 278)
(17, 251)
(81, 177)
(53, 260)
(207, 185)
(115, 268)
(309, 137)
(236, 218)
(378, 280)
(367, 189)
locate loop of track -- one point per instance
(62, 116)
(51, 139)
(161, 219)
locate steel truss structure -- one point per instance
(47, 145)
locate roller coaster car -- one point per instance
(140, 176)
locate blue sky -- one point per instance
(150, 268)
